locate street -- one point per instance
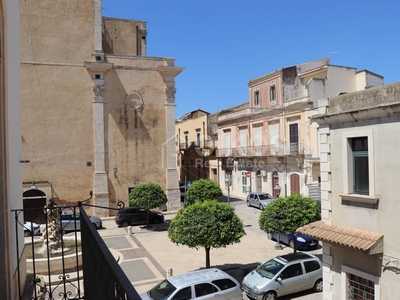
(147, 255)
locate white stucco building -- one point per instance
(359, 140)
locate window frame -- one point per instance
(272, 93)
(348, 168)
(344, 281)
(257, 97)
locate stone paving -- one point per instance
(147, 256)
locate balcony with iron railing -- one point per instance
(90, 272)
(207, 144)
(292, 149)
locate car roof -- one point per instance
(295, 256)
(198, 275)
(259, 193)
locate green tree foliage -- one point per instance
(148, 196)
(207, 224)
(287, 214)
(203, 189)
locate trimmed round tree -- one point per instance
(203, 189)
(207, 224)
(148, 196)
(287, 214)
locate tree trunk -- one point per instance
(207, 257)
(294, 243)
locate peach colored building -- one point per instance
(270, 141)
(196, 135)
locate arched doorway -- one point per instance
(34, 202)
(275, 181)
(258, 181)
(294, 183)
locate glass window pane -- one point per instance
(361, 176)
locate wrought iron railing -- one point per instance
(103, 277)
(266, 150)
(77, 272)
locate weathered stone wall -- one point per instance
(369, 98)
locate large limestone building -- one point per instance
(97, 113)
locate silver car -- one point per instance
(283, 275)
(259, 199)
(205, 284)
(71, 222)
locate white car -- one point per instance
(205, 284)
(31, 228)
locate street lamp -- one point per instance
(277, 190)
(228, 183)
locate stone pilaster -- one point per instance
(98, 18)
(100, 178)
(172, 181)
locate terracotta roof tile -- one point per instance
(369, 242)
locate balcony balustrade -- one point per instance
(260, 151)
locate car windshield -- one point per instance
(269, 269)
(162, 290)
(265, 196)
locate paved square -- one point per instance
(117, 243)
(137, 270)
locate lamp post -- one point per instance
(277, 190)
(228, 183)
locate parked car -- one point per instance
(136, 216)
(283, 275)
(303, 242)
(259, 199)
(71, 222)
(31, 228)
(205, 284)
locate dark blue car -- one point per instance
(303, 242)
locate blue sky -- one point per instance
(224, 44)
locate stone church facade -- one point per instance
(97, 113)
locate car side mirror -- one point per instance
(279, 279)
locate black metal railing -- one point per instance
(82, 267)
(50, 273)
(261, 151)
(103, 276)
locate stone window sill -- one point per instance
(359, 198)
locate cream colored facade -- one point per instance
(10, 150)
(195, 146)
(98, 114)
(362, 205)
(271, 140)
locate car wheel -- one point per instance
(95, 226)
(269, 296)
(261, 207)
(27, 233)
(318, 286)
(248, 203)
(124, 223)
(291, 244)
(269, 236)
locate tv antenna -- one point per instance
(335, 52)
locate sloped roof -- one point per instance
(369, 242)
